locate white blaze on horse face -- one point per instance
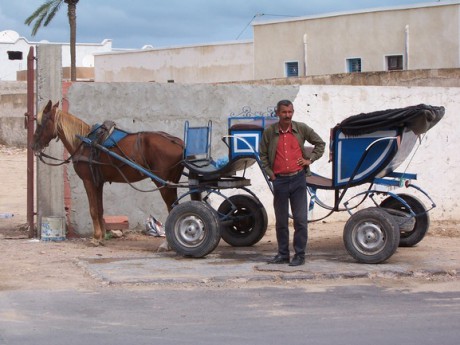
(39, 117)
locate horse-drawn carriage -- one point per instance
(365, 149)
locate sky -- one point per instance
(168, 23)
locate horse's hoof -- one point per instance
(96, 243)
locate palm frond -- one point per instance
(53, 12)
(38, 23)
(37, 12)
(43, 15)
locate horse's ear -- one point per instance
(45, 110)
(48, 107)
(56, 105)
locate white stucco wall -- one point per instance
(144, 106)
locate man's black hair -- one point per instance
(283, 102)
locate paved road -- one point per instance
(307, 314)
(232, 296)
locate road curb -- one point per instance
(169, 270)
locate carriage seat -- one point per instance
(207, 170)
(320, 182)
(315, 180)
(197, 147)
(197, 155)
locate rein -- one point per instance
(62, 161)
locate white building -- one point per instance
(415, 37)
(10, 41)
(421, 36)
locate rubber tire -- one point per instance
(370, 222)
(422, 220)
(192, 229)
(248, 231)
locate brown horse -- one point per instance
(157, 152)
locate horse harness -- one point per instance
(106, 135)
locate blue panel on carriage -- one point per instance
(244, 142)
(245, 134)
(350, 150)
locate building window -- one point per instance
(14, 55)
(394, 62)
(354, 65)
(292, 69)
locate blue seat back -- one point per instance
(197, 142)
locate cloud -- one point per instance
(132, 24)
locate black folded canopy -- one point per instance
(418, 118)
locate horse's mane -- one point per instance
(70, 126)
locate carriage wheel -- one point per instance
(249, 220)
(371, 235)
(415, 231)
(192, 229)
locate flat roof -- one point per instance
(368, 10)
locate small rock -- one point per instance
(116, 233)
(164, 247)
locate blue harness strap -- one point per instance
(115, 136)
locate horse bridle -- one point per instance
(42, 155)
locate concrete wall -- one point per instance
(146, 106)
(331, 39)
(13, 101)
(210, 63)
(13, 94)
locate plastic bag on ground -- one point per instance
(153, 227)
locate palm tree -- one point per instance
(45, 14)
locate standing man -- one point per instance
(287, 165)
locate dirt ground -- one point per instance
(33, 264)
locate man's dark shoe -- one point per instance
(297, 260)
(279, 259)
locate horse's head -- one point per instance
(46, 127)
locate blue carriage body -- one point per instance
(368, 148)
(362, 158)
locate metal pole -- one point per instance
(30, 132)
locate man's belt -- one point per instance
(289, 174)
